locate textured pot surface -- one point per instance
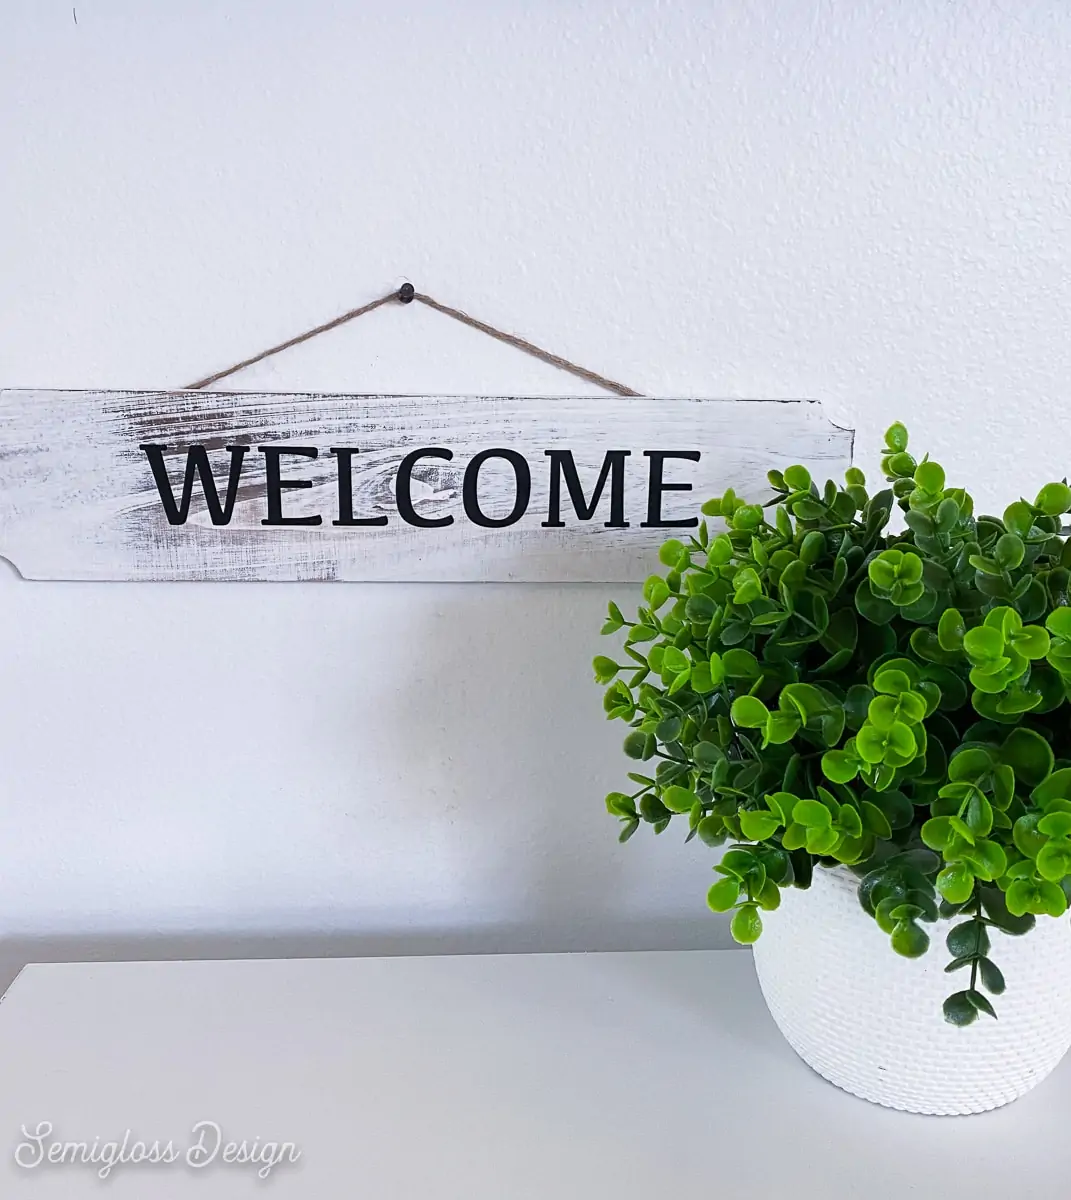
(870, 1021)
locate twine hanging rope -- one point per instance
(406, 294)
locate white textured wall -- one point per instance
(863, 202)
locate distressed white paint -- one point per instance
(78, 499)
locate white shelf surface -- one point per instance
(502, 1077)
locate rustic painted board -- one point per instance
(87, 479)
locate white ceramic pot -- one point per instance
(870, 1021)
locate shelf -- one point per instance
(501, 1077)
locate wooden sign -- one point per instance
(244, 486)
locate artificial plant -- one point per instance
(815, 688)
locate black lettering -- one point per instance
(403, 488)
(613, 467)
(470, 489)
(345, 489)
(196, 464)
(656, 487)
(276, 483)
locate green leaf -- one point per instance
(856, 705)
(1055, 825)
(980, 1002)
(978, 815)
(873, 608)
(723, 895)
(909, 939)
(628, 829)
(720, 551)
(992, 979)
(902, 741)
(839, 767)
(794, 837)
(805, 699)
(959, 1010)
(947, 515)
(707, 755)
(821, 841)
(956, 883)
(749, 712)
(1054, 499)
(1009, 551)
(972, 763)
(870, 743)
(812, 814)
(717, 669)
(615, 617)
(849, 822)
(996, 909)
(781, 805)
(671, 552)
(970, 937)
(741, 664)
(1052, 900)
(1059, 622)
(674, 661)
(699, 678)
(937, 833)
(898, 809)
(950, 630)
(798, 478)
(757, 825)
(1025, 834)
(641, 633)
(711, 830)
(988, 859)
(1022, 895)
(656, 591)
(652, 809)
(747, 586)
(605, 668)
(1054, 860)
(678, 799)
(747, 517)
(1028, 754)
(769, 896)
(781, 727)
(957, 964)
(812, 547)
(983, 643)
(1031, 641)
(1018, 518)
(891, 681)
(962, 828)
(639, 745)
(746, 926)
(620, 805)
(874, 820)
(1056, 786)
(930, 476)
(699, 608)
(669, 729)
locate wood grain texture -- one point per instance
(78, 499)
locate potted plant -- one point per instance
(875, 727)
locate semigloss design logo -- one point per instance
(204, 1146)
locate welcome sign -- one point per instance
(243, 486)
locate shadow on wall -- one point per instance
(496, 759)
(508, 757)
(496, 725)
